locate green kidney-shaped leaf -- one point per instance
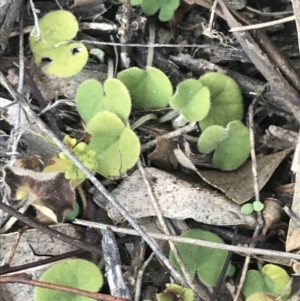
(167, 8)
(149, 89)
(192, 99)
(277, 279)
(117, 147)
(57, 28)
(92, 98)
(254, 283)
(206, 262)
(233, 151)
(247, 208)
(77, 273)
(226, 100)
(210, 138)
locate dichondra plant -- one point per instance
(52, 40)
(148, 89)
(271, 281)
(231, 145)
(207, 263)
(76, 273)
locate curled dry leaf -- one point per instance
(51, 193)
(163, 155)
(271, 213)
(177, 199)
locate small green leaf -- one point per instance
(233, 151)
(247, 208)
(91, 98)
(272, 279)
(258, 206)
(166, 7)
(226, 100)
(149, 89)
(210, 138)
(206, 262)
(117, 147)
(77, 273)
(276, 279)
(57, 28)
(254, 283)
(192, 99)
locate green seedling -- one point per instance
(226, 100)
(117, 147)
(176, 292)
(63, 164)
(192, 99)
(148, 89)
(232, 147)
(57, 28)
(76, 273)
(206, 262)
(255, 206)
(272, 280)
(166, 8)
(92, 98)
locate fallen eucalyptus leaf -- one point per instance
(177, 199)
(238, 184)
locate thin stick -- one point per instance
(296, 8)
(256, 190)
(262, 25)
(186, 129)
(139, 280)
(197, 242)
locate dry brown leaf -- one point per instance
(271, 213)
(238, 184)
(177, 199)
(163, 155)
(50, 193)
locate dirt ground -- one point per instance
(130, 223)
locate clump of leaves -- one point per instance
(92, 98)
(63, 164)
(166, 8)
(57, 29)
(148, 89)
(226, 100)
(207, 263)
(272, 280)
(175, 292)
(192, 99)
(77, 273)
(231, 145)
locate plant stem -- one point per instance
(151, 41)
